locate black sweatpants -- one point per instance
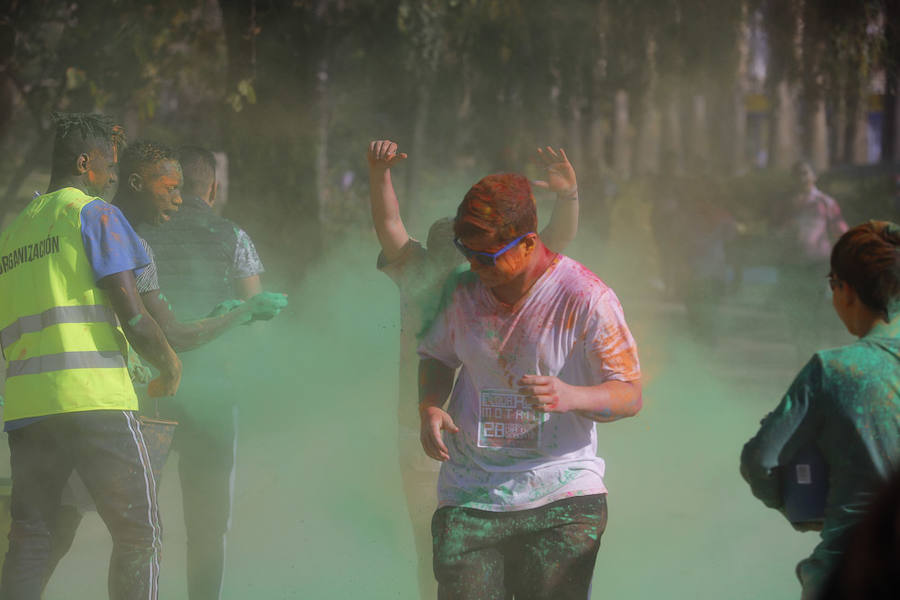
(107, 450)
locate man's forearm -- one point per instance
(563, 225)
(389, 228)
(608, 401)
(192, 334)
(384, 203)
(435, 383)
(140, 328)
(149, 341)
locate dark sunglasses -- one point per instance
(488, 259)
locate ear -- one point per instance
(212, 193)
(850, 296)
(530, 242)
(82, 163)
(845, 296)
(136, 182)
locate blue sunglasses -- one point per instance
(488, 259)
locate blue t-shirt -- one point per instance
(111, 246)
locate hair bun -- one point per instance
(891, 232)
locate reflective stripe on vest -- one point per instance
(96, 313)
(65, 360)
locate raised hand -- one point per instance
(383, 154)
(560, 176)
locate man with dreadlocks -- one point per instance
(68, 264)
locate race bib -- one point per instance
(507, 420)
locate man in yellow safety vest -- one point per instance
(67, 279)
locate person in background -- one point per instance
(845, 403)
(544, 352)
(70, 309)
(203, 260)
(420, 272)
(704, 228)
(809, 223)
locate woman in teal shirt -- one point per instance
(845, 403)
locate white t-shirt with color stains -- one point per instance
(506, 456)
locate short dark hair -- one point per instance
(501, 205)
(867, 258)
(198, 165)
(801, 166)
(78, 133)
(142, 155)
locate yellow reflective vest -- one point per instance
(64, 349)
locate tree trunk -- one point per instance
(698, 135)
(818, 136)
(621, 135)
(890, 133)
(782, 139)
(892, 130)
(856, 138)
(735, 141)
(574, 140)
(417, 153)
(647, 155)
(323, 120)
(672, 162)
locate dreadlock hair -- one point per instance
(198, 165)
(79, 133)
(501, 205)
(867, 258)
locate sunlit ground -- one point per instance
(319, 511)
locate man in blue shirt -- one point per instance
(105, 447)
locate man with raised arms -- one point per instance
(419, 273)
(544, 352)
